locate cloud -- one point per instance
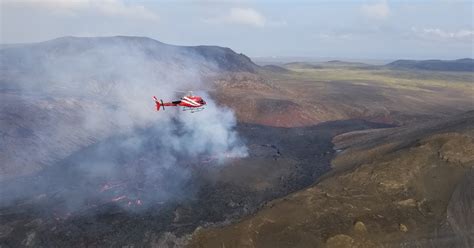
(117, 8)
(440, 34)
(111, 8)
(378, 11)
(242, 16)
(246, 16)
(276, 23)
(335, 36)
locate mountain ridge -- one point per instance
(464, 64)
(33, 54)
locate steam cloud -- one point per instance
(73, 93)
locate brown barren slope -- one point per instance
(311, 96)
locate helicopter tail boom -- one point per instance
(159, 103)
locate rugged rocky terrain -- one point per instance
(87, 162)
(116, 207)
(408, 186)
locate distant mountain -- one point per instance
(2, 46)
(466, 64)
(225, 58)
(328, 64)
(340, 63)
(301, 65)
(101, 57)
(275, 68)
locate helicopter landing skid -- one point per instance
(193, 110)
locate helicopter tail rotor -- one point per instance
(159, 103)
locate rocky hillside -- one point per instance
(408, 186)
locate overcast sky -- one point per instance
(338, 29)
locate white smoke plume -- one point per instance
(73, 93)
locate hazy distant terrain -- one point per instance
(435, 65)
(291, 154)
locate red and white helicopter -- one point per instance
(188, 102)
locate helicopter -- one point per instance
(189, 102)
